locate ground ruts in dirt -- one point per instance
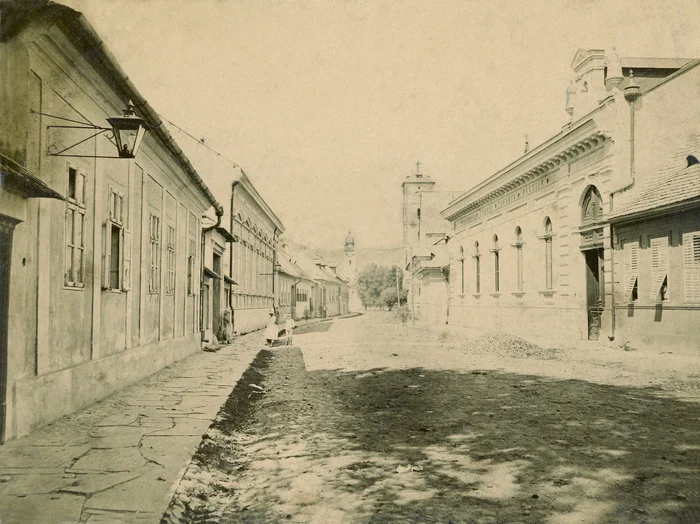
(482, 446)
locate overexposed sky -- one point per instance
(327, 105)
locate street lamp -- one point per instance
(128, 131)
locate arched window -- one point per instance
(592, 207)
(477, 267)
(461, 261)
(496, 265)
(548, 253)
(519, 256)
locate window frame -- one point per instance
(76, 207)
(154, 224)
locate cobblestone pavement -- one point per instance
(120, 460)
(368, 420)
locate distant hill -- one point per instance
(363, 256)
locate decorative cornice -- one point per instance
(527, 181)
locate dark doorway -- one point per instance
(216, 306)
(595, 291)
(6, 230)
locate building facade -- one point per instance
(104, 280)
(531, 248)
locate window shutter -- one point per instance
(110, 203)
(659, 264)
(107, 237)
(691, 266)
(631, 250)
(126, 268)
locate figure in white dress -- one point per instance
(271, 329)
(289, 326)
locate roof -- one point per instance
(225, 233)
(674, 184)
(438, 259)
(432, 202)
(15, 16)
(210, 273)
(287, 267)
(14, 176)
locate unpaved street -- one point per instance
(371, 420)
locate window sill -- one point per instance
(518, 294)
(461, 296)
(495, 295)
(73, 288)
(477, 295)
(549, 293)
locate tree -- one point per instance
(377, 286)
(388, 296)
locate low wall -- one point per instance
(36, 401)
(247, 320)
(565, 324)
(665, 327)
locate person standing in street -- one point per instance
(289, 326)
(271, 330)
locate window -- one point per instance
(117, 242)
(630, 249)
(170, 261)
(691, 266)
(496, 265)
(659, 268)
(154, 254)
(477, 267)
(205, 307)
(519, 256)
(461, 261)
(592, 208)
(548, 254)
(74, 229)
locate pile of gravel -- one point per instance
(511, 346)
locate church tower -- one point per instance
(412, 186)
(350, 270)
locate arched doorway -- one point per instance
(593, 252)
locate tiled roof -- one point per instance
(15, 176)
(673, 184)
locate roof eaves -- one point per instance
(97, 51)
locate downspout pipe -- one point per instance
(632, 94)
(230, 260)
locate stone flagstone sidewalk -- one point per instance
(120, 460)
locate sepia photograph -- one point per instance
(349, 261)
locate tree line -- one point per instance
(377, 286)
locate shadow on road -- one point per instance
(418, 445)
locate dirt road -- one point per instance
(369, 420)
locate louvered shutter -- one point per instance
(631, 269)
(691, 266)
(659, 264)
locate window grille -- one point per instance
(170, 262)
(74, 229)
(154, 260)
(549, 284)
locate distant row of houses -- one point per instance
(594, 234)
(124, 244)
